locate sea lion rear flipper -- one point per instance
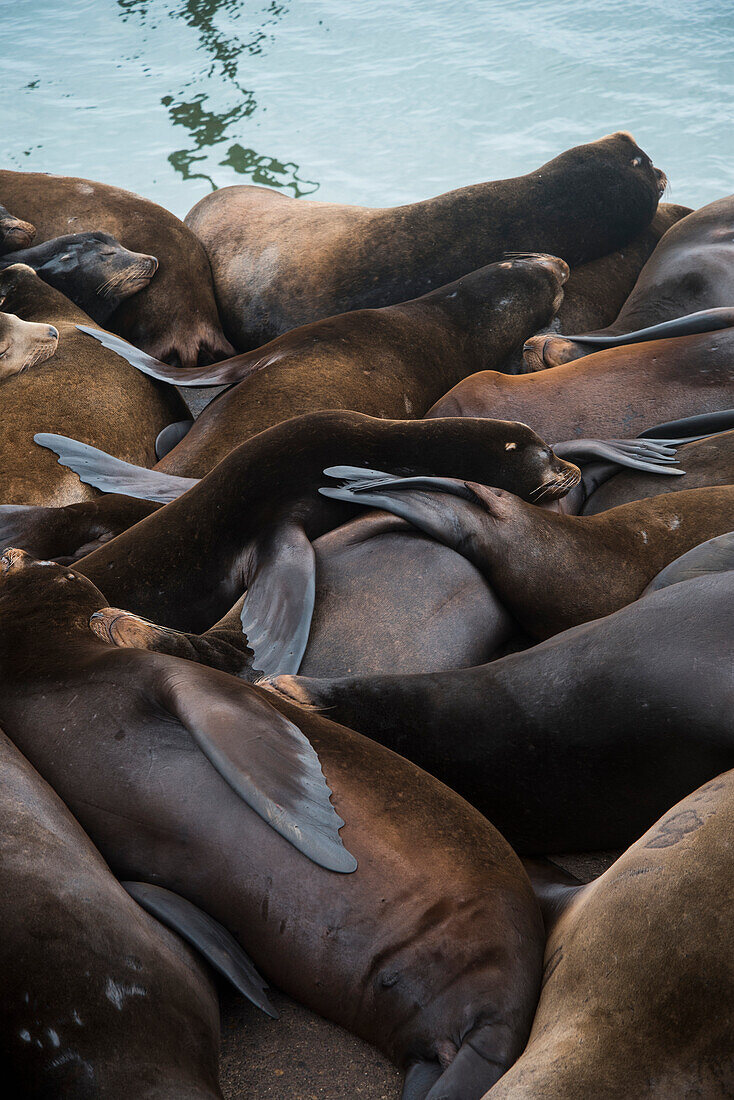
(170, 437)
(112, 475)
(217, 374)
(361, 481)
(703, 320)
(208, 936)
(691, 428)
(420, 1079)
(713, 556)
(262, 755)
(653, 456)
(278, 606)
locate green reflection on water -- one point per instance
(209, 129)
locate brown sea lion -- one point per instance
(99, 999)
(689, 271)
(657, 1023)
(91, 269)
(249, 524)
(616, 392)
(392, 362)
(24, 344)
(431, 949)
(596, 291)
(83, 389)
(175, 318)
(552, 571)
(14, 233)
(279, 262)
(580, 742)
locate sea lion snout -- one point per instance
(12, 558)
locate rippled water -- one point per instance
(364, 101)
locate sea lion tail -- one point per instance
(112, 475)
(211, 939)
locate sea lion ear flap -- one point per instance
(278, 606)
(208, 936)
(262, 755)
(713, 556)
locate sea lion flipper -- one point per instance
(368, 481)
(713, 556)
(691, 428)
(261, 754)
(653, 456)
(420, 1079)
(167, 439)
(211, 939)
(112, 475)
(278, 606)
(217, 374)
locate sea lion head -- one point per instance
(24, 344)
(529, 468)
(622, 145)
(94, 270)
(68, 598)
(14, 233)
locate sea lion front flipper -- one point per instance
(420, 1079)
(112, 475)
(208, 936)
(367, 481)
(261, 754)
(713, 556)
(691, 428)
(170, 437)
(703, 320)
(223, 373)
(278, 605)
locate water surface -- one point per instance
(367, 101)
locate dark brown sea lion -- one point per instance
(92, 269)
(279, 262)
(615, 392)
(175, 318)
(603, 723)
(689, 271)
(657, 1022)
(596, 291)
(98, 998)
(14, 233)
(24, 344)
(552, 571)
(250, 522)
(392, 362)
(430, 950)
(83, 389)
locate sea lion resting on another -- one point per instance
(280, 262)
(93, 270)
(83, 389)
(98, 998)
(603, 724)
(689, 273)
(175, 318)
(656, 1023)
(14, 233)
(392, 362)
(24, 344)
(431, 949)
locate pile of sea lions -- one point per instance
(315, 688)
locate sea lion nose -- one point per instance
(53, 332)
(13, 558)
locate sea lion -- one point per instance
(99, 999)
(656, 1023)
(603, 723)
(392, 362)
(250, 522)
(689, 271)
(175, 318)
(14, 233)
(431, 949)
(92, 269)
(279, 262)
(83, 389)
(617, 391)
(24, 344)
(551, 571)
